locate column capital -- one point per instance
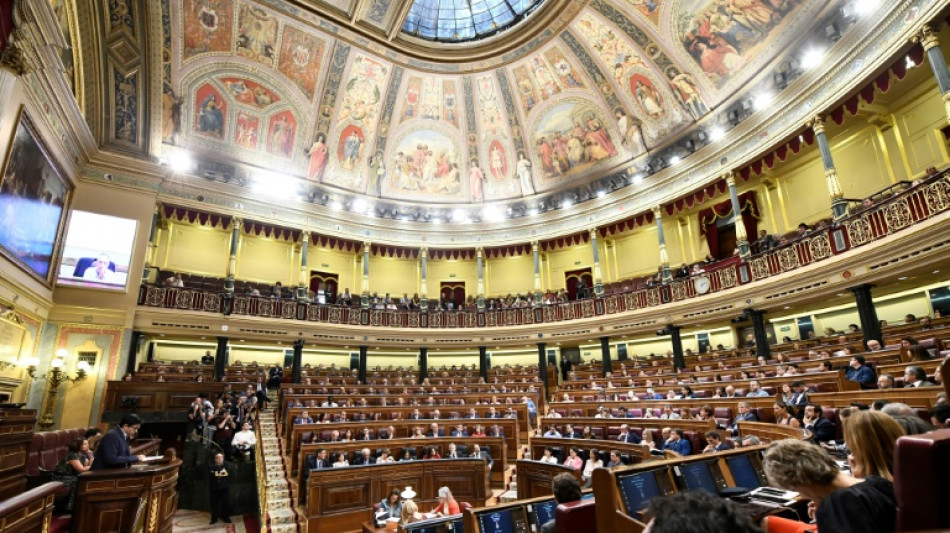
(423, 252)
(236, 222)
(304, 236)
(367, 246)
(158, 207)
(479, 250)
(927, 37)
(593, 233)
(535, 246)
(817, 123)
(730, 178)
(657, 211)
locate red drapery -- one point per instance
(195, 216)
(708, 217)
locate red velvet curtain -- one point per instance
(708, 217)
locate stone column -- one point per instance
(423, 363)
(152, 245)
(870, 325)
(661, 238)
(598, 278)
(364, 293)
(536, 252)
(483, 362)
(232, 259)
(424, 298)
(605, 355)
(221, 358)
(928, 39)
(480, 267)
(304, 283)
(678, 360)
(761, 337)
(361, 371)
(132, 362)
(543, 367)
(742, 237)
(296, 371)
(839, 207)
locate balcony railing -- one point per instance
(893, 215)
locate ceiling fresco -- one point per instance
(262, 85)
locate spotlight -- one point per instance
(180, 162)
(601, 193)
(780, 79)
(832, 33)
(716, 133)
(358, 206)
(864, 7)
(675, 160)
(336, 205)
(763, 100)
(812, 58)
(638, 179)
(567, 203)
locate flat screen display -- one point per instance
(638, 489)
(544, 512)
(497, 522)
(743, 472)
(98, 251)
(455, 526)
(697, 477)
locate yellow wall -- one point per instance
(341, 263)
(268, 260)
(394, 275)
(454, 271)
(638, 252)
(195, 249)
(565, 260)
(509, 275)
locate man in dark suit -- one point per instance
(318, 461)
(822, 429)
(113, 450)
(799, 396)
(478, 452)
(364, 458)
(715, 443)
(745, 413)
(274, 377)
(459, 431)
(566, 489)
(628, 436)
(221, 474)
(435, 431)
(452, 452)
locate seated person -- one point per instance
(207, 358)
(477, 451)
(390, 507)
(715, 443)
(548, 456)
(566, 489)
(861, 372)
(822, 429)
(77, 460)
(447, 504)
(244, 441)
(410, 511)
(676, 443)
(681, 512)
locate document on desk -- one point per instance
(151, 458)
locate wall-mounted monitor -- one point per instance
(744, 471)
(98, 251)
(638, 488)
(505, 520)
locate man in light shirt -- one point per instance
(244, 441)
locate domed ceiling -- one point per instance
(602, 84)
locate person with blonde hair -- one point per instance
(410, 513)
(872, 436)
(447, 504)
(859, 503)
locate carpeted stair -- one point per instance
(280, 515)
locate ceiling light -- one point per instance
(936, 271)
(910, 63)
(601, 193)
(812, 58)
(638, 179)
(336, 205)
(358, 206)
(533, 211)
(716, 133)
(787, 307)
(275, 185)
(902, 278)
(491, 214)
(763, 100)
(180, 162)
(675, 160)
(864, 7)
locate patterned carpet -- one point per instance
(186, 521)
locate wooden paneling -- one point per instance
(30, 511)
(341, 499)
(534, 477)
(112, 499)
(16, 433)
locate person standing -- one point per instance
(113, 450)
(219, 483)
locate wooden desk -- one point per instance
(16, 435)
(509, 427)
(534, 477)
(767, 432)
(126, 499)
(342, 499)
(638, 452)
(30, 511)
(495, 444)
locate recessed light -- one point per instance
(716, 133)
(937, 271)
(787, 307)
(675, 160)
(902, 278)
(812, 58)
(763, 100)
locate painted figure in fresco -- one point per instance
(352, 149)
(282, 137)
(171, 116)
(523, 169)
(496, 162)
(630, 131)
(649, 99)
(318, 157)
(377, 173)
(476, 181)
(684, 87)
(210, 117)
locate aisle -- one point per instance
(188, 521)
(280, 514)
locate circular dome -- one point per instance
(453, 21)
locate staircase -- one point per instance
(277, 508)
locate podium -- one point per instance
(124, 500)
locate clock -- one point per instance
(701, 284)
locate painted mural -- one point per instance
(723, 35)
(425, 165)
(207, 26)
(430, 98)
(250, 93)
(318, 156)
(61, 10)
(685, 89)
(247, 131)
(211, 112)
(650, 9)
(492, 123)
(572, 137)
(544, 76)
(281, 134)
(257, 35)
(300, 56)
(569, 78)
(613, 51)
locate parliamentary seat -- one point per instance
(921, 485)
(696, 439)
(576, 516)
